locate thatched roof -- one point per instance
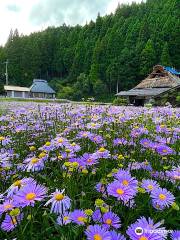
(159, 78)
(159, 81)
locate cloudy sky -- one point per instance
(33, 15)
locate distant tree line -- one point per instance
(116, 50)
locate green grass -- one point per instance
(33, 100)
(50, 101)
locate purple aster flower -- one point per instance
(49, 146)
(33, 164)
(125, 178)
(163, 140)
(122, 173)
(174, 174)
(60, 142)
(144, 229)
(146, 166)
(78, 217)
(97, 232)
(29, 194)
(6, 206)
(19, 184)
(146, 143)
(162, 129)
(120, 191)
(102, 153)
(84, 134)
(73, 147)
(96, 138)
(116, 236)
(89, 159)
(64, 219)
(149, 185)
(119, 141)
(97, 216)
(175, 235)
(164, 150)
(100, 187)
(110, 219)
(93, 125)
(137, 131)
(10, 223)
(162, 197)
(60, 202)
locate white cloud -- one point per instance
(33, 15)
(114, 3)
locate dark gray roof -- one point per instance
(143, 92)
(41, 86)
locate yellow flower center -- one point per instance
(108, 221)
(97, 237)
(119, 191)
(34, 160)
(162, 196)
(102, 149)
(125, 182)
(59, 197)
(84, 134)
(73, 144)
(145, 143)
(2, 138)
(176, 177)
(89, 160)
(8, 206)
(81, 219)
(17, 183)
(164, 150)
(143, 238)
(30, 196)
(60, 140)
(65, 218)
(150, 187)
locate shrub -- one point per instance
(120, 101)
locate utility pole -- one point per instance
(7, 82)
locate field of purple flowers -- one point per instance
(76, 172)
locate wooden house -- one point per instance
(39, 89)
(159, 82)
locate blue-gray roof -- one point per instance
(41, 86)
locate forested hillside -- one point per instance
(90, 60)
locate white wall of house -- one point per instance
(17, 94)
